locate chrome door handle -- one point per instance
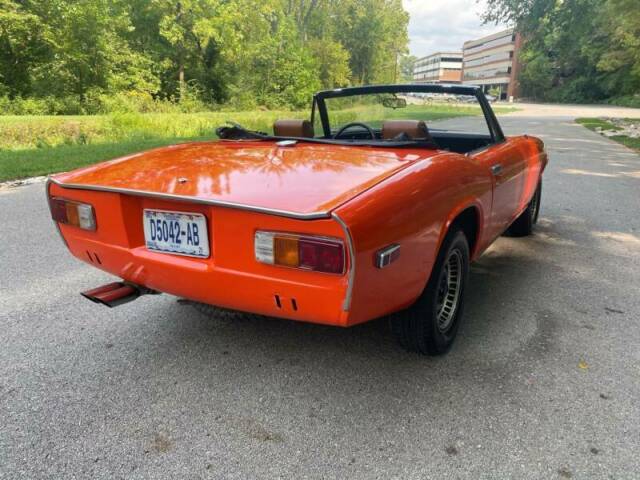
(496, 169)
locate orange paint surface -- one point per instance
(307, 178)
(372, 198)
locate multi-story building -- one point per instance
(441, 67)
(492, 62)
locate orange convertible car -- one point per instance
(375, 206)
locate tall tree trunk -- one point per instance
(181, 81)
(395, 68)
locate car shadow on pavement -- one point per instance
(511, 321)
(498, 294)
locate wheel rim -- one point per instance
(449, 289)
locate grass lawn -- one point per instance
(598, 123)
(40, 145)
(26, 163)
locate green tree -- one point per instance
(620, 61)
(87, 54)
(26, 44)
(575, 50)
(406, 66)
(536, 77)
(375, 34)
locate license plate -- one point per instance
(176, 232)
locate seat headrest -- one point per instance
(293, 128)
(414, 129)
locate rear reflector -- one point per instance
(318, 254)
(73, 213)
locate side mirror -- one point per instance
(394, 102)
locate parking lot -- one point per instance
(543, 382)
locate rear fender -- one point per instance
(482, 217)
(413, 209)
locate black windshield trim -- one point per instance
(472, 90)
(402, 88)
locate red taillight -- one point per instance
(59, 210)
(321, 256)
(73, 213)
(318, 254)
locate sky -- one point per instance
(444, 25)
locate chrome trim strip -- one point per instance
(346, 306)
(184, 198)
(47, 186)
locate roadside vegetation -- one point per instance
(577, 51)
(42, 132)
(84, 81)
(623, 131)
(66, 57)
(39, 145)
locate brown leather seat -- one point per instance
(293, 128)
(414, 129)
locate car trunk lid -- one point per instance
(304, 179)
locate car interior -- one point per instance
(392, 130)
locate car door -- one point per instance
(506, 165)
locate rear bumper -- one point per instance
(235, 290)
(230, 278)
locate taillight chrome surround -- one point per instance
(304, 252)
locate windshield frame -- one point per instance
(497, 136)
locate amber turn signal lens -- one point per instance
(72, 214)
(286, 251)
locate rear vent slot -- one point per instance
(294, 305)
(95, 258)
(278, 304)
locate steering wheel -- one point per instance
(355, 124)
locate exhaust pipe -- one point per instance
(114, 294)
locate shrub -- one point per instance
(631, 101)
(23, 106)
(126, 102)
(97, 102)
(577, 90)
(41, 106)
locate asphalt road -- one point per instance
(543, 382)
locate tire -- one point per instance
(523, 225)
(427, 327)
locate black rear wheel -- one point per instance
(431, 324)
(523, 225)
